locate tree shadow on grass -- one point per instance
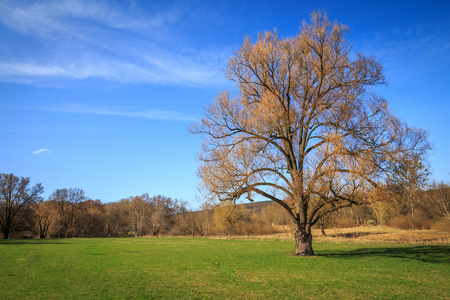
(35, 242)
(428, 254)
(353, 234)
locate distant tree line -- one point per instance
(68, 213)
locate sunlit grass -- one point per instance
(218, 268)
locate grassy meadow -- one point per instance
(172, 267)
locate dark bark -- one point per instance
(303, 243)
(5, 233)
(44, 224)
(322, 229)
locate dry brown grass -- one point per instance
(360, 235)
(363, 235)
(376, 234)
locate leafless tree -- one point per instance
(16, 195)
(305, 130)
(151, 215)
(410, 177)
(45, 212)
(194, 223)
(67, 201)
(437, 200)
(162, 211)
(117, 215)
(139, 212)
(90, 220)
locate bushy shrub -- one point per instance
(416, 221)
(344, 223)
(258, 226)
(442, 225)
(400, 222)
(229, 219)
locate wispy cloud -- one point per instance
(153, 114)
(43, 150)
(47, 18)
(76, 39)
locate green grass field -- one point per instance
(219, 268)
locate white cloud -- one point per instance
(76, 39)
(50, 17)
(180, 72)
(153, 114)
(42, 151)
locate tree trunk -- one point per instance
(303, 243)
(322, 229)
(43, 229)
(5, 233)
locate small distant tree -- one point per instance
(45, 215)
(90, 221)
(162, 212)
(409, 177)
(16, 195)
(323, 222)
(304, 130)
(194, 223)
(139, 211)
(117, 215)
(437, 200)
(67, 201)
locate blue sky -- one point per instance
(99, 95)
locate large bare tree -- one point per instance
(304, 130)
(16, 195)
